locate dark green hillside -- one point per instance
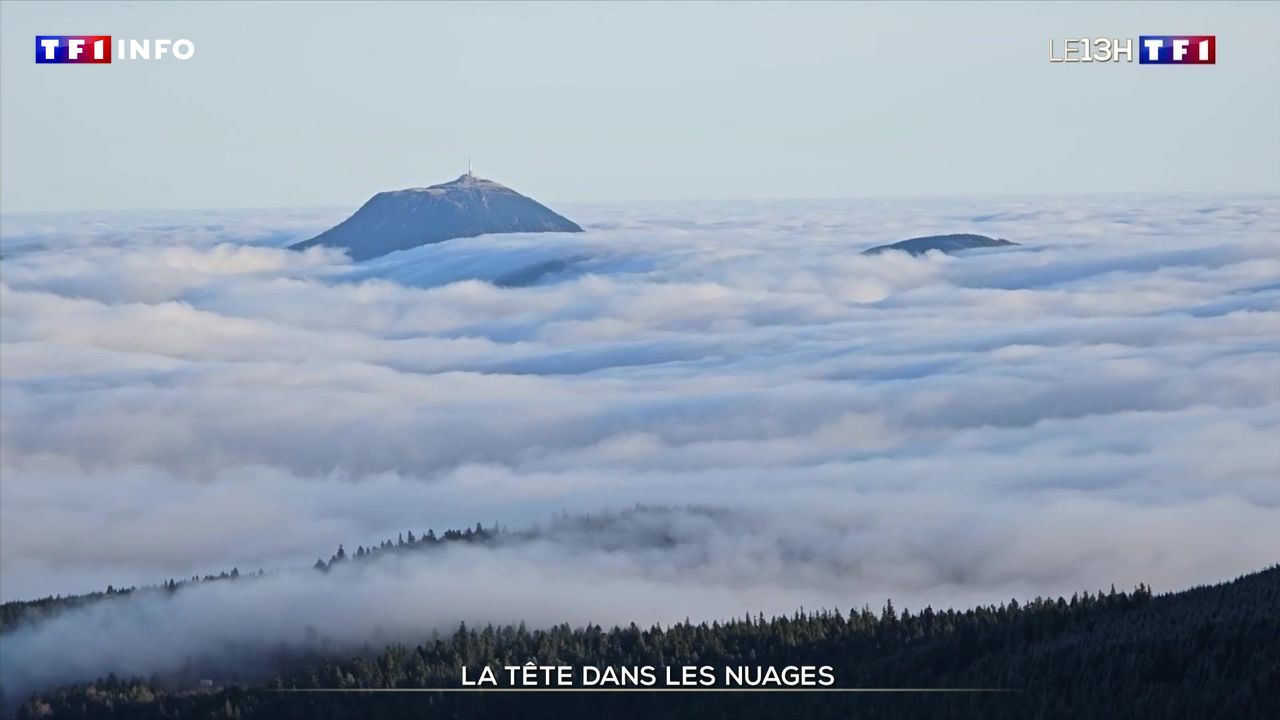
(18, 612)
(1209, 652)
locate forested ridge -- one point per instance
(1207, 652)
(17, 612)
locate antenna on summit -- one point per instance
(469, 168)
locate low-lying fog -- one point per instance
(1099, 405)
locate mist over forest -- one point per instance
(700, 410)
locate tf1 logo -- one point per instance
(1178, 49)
(1150, 50)
(96, 49)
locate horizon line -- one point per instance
(656, 200)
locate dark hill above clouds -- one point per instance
(944, 243)
(468, 206)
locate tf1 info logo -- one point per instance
(96, 49)
(1150, 50)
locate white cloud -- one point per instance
(1095, 407)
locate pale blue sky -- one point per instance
(325, 104)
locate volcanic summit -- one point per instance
(944, 243)
(466, 207)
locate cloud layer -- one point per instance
(180, 395)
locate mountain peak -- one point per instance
(944, 243)
(464, 207)
(470, 179)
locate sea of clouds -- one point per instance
(179, 395)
